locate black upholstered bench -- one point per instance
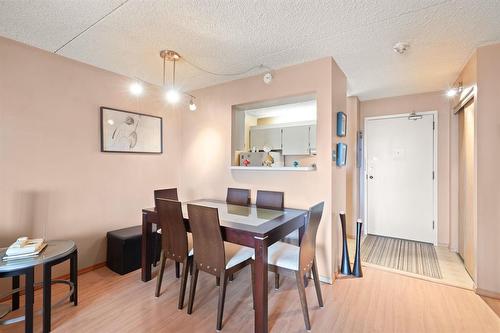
(124, 249)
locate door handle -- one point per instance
(371, 177)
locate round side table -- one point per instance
(54, 253)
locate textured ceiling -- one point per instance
(232, 36)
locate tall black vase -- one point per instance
(356, 270)
(345, 267)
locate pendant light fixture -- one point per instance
(172, 94)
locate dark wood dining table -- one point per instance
(250, 226)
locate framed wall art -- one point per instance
(130, 132)
(341, 124)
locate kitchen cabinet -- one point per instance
(260, 137)
(312, 137)
(295, 140)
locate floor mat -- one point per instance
(401, 254)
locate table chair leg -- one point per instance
(177, 269)
(303, 301)
(29, 299)
(47, 296)
(185, 272)
(222, 297)
(159, 278)
(15, 296)
(192, 289)
(317, 285)
(276, 281)
(73, 277)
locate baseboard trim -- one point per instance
(63, 277)
(488, 293)
(325, 279)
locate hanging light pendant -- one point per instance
(172, 94)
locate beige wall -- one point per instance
(352, 186)
(206, 145)
(434, 101)
(54, 180)
(488, 160)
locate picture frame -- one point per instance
(341, 124)
(130, 132)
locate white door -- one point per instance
(400, 177)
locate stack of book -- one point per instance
(24, 248)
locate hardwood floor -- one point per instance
(379, 302)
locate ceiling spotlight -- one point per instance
(136, 88)
(173, 96)
(451, 92)
(192, 105)
(401, 47)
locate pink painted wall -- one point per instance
(434, 101)
(54, 180)
(488, 184)
(206, 147)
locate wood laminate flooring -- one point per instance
(381, 301)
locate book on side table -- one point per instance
(25, 248)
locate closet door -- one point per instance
(466, 188)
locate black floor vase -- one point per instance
(345, 267)
(356, 270)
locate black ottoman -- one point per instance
(124, 249)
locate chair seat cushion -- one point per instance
(284, 255)
(236, 254)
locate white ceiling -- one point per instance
(232, 36)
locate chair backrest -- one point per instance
(238, 196)
(308, 243)
(174, 235)
(168, 193)
(270, 200)
(208, 245)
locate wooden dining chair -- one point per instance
(177, 245)
(212, 255)
(270, 200)
(171, 194)
(238, 196)
(167, 193)
(284, 258)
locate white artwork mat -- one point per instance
(124, 131)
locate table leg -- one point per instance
(73, 276)
(29, 298)
(260, 271)
(47, 296)
(15, 296)
(147, 231)
(302, 231)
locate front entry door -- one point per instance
(400, 177)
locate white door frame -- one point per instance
(435, 148)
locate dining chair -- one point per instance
(238, 196)
(212, 255)
(171, 194)
(270, 200)
(167, 193)
(177, 244)
(284, 258)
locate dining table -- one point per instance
(250, 226)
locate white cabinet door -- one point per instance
(260, 137)
(312, 137)
(296, 140)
